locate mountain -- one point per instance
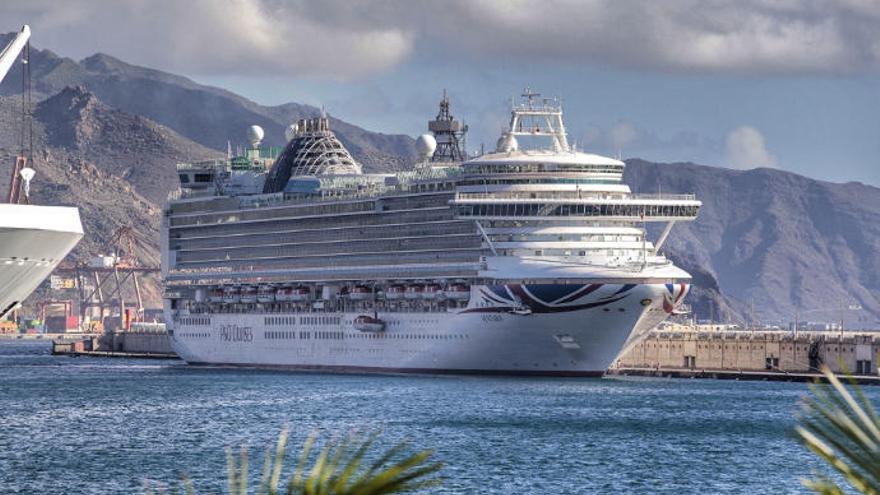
(128, 146)
(207, 115)
(777, 243)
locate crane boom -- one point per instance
(10, 53)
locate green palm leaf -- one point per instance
(843, 430)
(335, 470)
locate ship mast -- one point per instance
(542, 119)
(449, 133)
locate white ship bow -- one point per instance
(33, 240)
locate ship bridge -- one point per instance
(555, 201)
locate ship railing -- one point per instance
(573, 195)
(204, 165)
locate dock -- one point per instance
(705, 351)
(143, 343)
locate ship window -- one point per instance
(202, 178)
(184, 179)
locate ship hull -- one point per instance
(580, 337)
(33, 240)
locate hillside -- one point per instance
(128, 146)
(207, 115)
(777, 242)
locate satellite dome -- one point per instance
(255, 134)
(290, 132)
(426, 145)
(506, 144)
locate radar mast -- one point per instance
(449, 133)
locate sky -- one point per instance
(790, 84)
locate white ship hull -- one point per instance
(33, 240)
(580, 336)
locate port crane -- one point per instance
(22, 173)
(103, 283)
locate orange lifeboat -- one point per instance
(266, 294)
(215, 295)
(301, 293)
(395, 292)
(432, 291)
(414, 291)
(458, 292)
(248, 294)
(367, 323)
(231, 295)
(284, 293)
(360, 293)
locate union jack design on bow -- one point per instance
(544, 298)
(675, 294)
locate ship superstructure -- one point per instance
(523, 261)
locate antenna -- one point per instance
(449, 134)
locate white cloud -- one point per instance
(746, 149)
(621, 135)
(343, 39)
(234, 37)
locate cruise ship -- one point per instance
(33, 239)
(531, 259)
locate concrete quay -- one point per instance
(140, 343)
(705, 351)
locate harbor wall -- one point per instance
(146, 342)
(133, 343)
(772, 351)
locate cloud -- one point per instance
(233, 37)
(621, 135)
(746, 149)
(344, 39)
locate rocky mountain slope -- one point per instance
(128, 146)
(777, 243)
(207, 115)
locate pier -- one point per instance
(148, 342)
(705, 351)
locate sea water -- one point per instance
(108, 426)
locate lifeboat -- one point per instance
(395, 292)
(360, 293)
(414, 292)
(231, 295)
(432, 291)
(367, 323)
(215, 295)
(301, 293)
(458, 292)
(284, 293)
(248, 294)
(266, 294)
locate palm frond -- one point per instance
(337, 469)
(843, 430)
